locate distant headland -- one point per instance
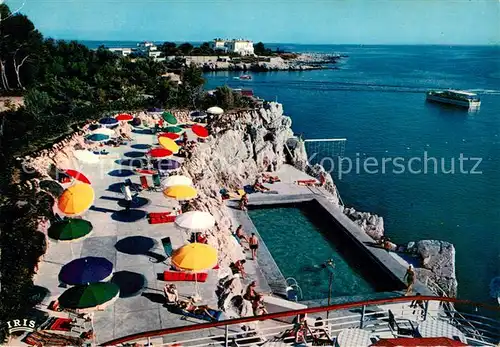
(227, 55)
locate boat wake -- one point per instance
(485, 91)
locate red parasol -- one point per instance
(77, 175)
(169, 135)
(199, 130)
(124, 117)
(159, 153)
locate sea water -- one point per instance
(376, 99)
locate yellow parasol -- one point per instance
(180, 192)
(195, 257)
(76, 199)
(169, 144)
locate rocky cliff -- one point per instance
(438, 264)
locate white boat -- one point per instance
(454, 97)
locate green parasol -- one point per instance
(173, 129)
(69, 229)
(89, 296)
(169, 118)
(97, 137)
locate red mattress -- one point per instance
(184, 276)
(161, 220)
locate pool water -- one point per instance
(300, 240)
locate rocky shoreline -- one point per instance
(242, 145)
(290, 62)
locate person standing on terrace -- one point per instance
(410, 279)
(254, 245)
(244, 202)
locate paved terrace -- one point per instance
(130, 233)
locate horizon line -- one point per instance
(293, 43)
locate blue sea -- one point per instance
(376, 99)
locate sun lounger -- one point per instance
(144, 183)
(145, 171)
(184, 276)
(156, 182)
(159, 214)
(204, 316)
(54, 306)
(167, 246)
(161, 220)
(61, 324)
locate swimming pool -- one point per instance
(301, 238)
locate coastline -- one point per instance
(284, 62)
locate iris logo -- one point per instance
(17, 325)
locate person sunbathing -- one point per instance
(238, 267)
(240, 234)
(124, 135)
(250, 293)
(258, 186)
(188, 306)
(201, 238)
(171, 294)
(270, 179)
(307, 183)
(258, 305)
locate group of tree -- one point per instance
(260, 49)
(170, 49)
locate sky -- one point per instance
(463, 22)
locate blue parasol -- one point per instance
(108, 121)
(166, 164)
(86, 270)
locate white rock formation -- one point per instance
(372, 224)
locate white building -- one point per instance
(121, 51)
(240, 46)
(148, 49)
(218, 44)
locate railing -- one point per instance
(308, 167)
(369, 315)
(449, 307)
(294, 286)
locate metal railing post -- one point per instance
(226, 336)
(149, 341)
(362, 321)
(426, 309)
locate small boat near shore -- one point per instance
(454, 97)
(244, 77)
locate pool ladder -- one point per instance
(293, 291)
